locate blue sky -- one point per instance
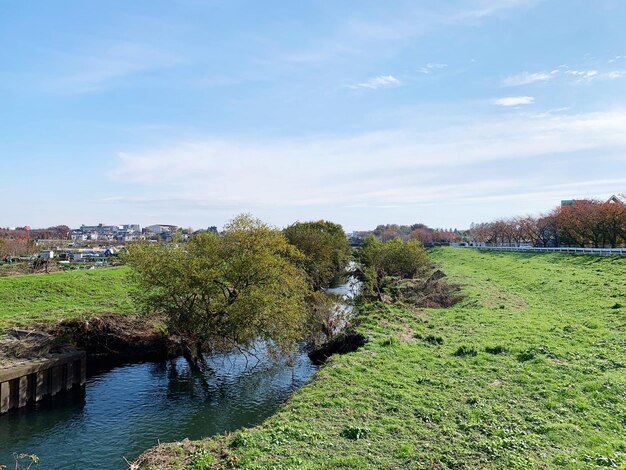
(361, 112)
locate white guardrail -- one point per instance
(562, 249)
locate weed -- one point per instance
(463, 351)
(240, 439)
(355, 433)
(495, 349)
(391, 341)
(432, 339)
(526, 355)
(200, 460)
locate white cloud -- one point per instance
(380, 168)
(583, 74)
(377, 82)
(616, 74)
(526, 78)
(432, 66)
(514, 101)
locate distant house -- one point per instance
(47, 254)
(78, 235)
(568, 202)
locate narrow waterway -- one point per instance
(123, 411)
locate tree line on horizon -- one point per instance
(21, 241)
(424, 234)
(579, 223)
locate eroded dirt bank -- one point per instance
(109, 337)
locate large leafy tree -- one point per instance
(228, 291)
(325, 247)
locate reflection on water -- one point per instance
(123, 411)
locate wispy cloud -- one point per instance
(616, 74)
(514, 101)
(484, 8)
(108, 63)
(381, 81)
(431, 67)
(578, 76)
(390, 26)
(583, 74)
(526, 78)
(376, 168)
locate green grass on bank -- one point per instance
(29, 299)
(528, 371)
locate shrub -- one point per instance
(393, 258)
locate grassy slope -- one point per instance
(42, 297)
(554, 397)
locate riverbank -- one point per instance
(90, 310)
(528, 370)
(31, 299)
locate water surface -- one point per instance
(123, 411)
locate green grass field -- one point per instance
(29, 299)
(528, 371)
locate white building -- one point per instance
(159, 228)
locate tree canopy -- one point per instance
(583, 223)
(395, 257)
(225, 292)
(325, 248)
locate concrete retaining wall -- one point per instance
(32, 380)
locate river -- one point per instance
(125, 410)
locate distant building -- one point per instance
(78, 235)
(47, 254)
(160, 228)
(128, 232)
(568, 202)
